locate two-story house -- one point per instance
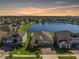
(67, 39)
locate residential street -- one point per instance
(44, 56)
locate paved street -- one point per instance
(53, 56)
(47, 56)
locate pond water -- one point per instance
(53, 27)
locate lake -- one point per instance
(53, 27)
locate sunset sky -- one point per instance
(39, 7)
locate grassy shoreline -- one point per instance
(26, 26)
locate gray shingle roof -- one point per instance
(4, 28)
(41, 37)
(66, 35)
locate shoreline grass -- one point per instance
(26, 26)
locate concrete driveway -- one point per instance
(48, 54)
(50, 57)
(46, 51)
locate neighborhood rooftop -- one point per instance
(43, 37)
(67, 38)
(67, 35)
(2, 34)
(4, 28)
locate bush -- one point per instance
(37, 53)
(10, 55)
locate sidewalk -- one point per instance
(55, 56)
(24, 55)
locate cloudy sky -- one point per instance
(39, 7)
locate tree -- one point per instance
(10, 55)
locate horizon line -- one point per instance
(36, 15)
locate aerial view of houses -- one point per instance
(39, 29)
(38, 39)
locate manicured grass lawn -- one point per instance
(23, 58)
(24, 27)
(52, 34)
(22, 51)
(25, 49)
(67, 57)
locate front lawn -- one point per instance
(67, 57)
(22, 58)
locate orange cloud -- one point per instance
(33, 11)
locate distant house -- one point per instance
(67, 39)
(1, 22)
(2, 35)
(12, 27)
(22, 22)
(42, 40)
(4, 28)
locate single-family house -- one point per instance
(67, 39)
(42, 40)
(10, 41)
